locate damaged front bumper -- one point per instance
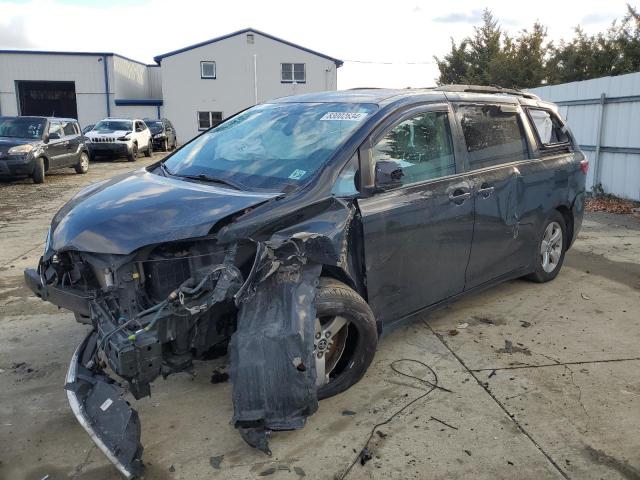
(99, 405)
(157, 309)
(71, 299)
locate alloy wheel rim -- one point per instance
(84, 162)
(551, 247)
(330, 340)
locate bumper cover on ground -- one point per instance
(99, 406)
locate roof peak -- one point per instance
(159, 58)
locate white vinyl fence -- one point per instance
(604, 116)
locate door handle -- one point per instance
(459, 196)
(485, 191)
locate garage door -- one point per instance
(49, 99)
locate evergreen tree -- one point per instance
(492, 57)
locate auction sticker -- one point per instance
(350, 116)
(297, 174)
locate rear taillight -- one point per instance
(584, 166)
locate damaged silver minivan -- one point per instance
(293, 235)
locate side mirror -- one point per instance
(45, 138)
(388, 174)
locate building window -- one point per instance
(207, 120)
(293, 72)
(208, 70)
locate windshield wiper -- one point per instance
(165, 170)
(206, 178)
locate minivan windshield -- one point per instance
(114, 125)
(275, 146)
(22, 127)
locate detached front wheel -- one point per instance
(345, 337)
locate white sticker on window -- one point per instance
(297, 174)
(351, 116)
(106, 404)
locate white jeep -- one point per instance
(120, 136)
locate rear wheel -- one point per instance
(345, 337)
(83, 164)
(38, 171)
(550, 249)
(149, 151)
(165, 145)
(133, 153)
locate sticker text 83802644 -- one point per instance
(340, 116)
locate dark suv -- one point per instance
(32, 146)
(297, 232)
(163, 134)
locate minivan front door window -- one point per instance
(421, 146)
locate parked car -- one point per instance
(88, 128)
(33, 146)
(118, 137)
(298, 232)
(164, 135)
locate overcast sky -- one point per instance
(400, 37)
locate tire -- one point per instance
(165, 145)
(38, 171)
(545, 271)
(149, 151)
(358, 337)
(83, 164)
(133, 154)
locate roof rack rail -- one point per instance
(486, 89)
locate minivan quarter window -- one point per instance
(493, 134)
(421, 145)
(549, 129)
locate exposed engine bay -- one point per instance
(156, 310)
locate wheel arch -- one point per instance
(567, 214)
(45, 159)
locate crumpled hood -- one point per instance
(141, 208)
(7, 142)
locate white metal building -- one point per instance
(194, 87)
(212, 80)
(604, 114)
(86, 86)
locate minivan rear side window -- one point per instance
(493, 134)
(548, 128)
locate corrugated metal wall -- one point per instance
(604, 115)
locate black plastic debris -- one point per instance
(365, 456)
(348, 413)
(274, 328)
(219, 375)
(216, 461)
